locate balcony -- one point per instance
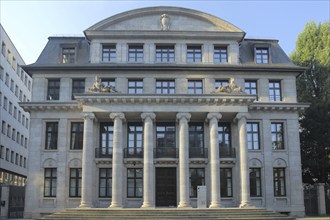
(198, 152)
(133, 152)
(166, 152)
(103, 152)
(227, 152)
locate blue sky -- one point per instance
(29, 23)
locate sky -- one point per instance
(29, 23)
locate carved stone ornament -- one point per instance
(98, 87)
(165, 22)
(230, 88)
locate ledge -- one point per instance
(278, 106)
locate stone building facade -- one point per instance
(154, 102)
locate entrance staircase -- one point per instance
(165, 214)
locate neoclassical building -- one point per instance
(154, 102)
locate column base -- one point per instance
(184, 205)
(246, 205)
(115, 205)
(148, 206)
(215, 205)
(84, 205)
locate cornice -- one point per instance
(49, 106)
(278, 106)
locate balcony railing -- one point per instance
(166, 152)
(227, 152)
(103, 152)
(198, 152)
(133, 152)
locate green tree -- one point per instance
(313, 86)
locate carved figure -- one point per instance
(165, 22)
(99, 87)
(230, 88)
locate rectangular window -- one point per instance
(105, 182)
(68, 55)
(13, 134)
(279, 182)
(195, 87)
(16, 159)
(226, 182)
(194, 54)
(165, 135)
(3, 127)
(19, 116)
(262, 55)
(78, 86)
(196, 135)
(165, 54)
(3, 49)
(106, 140)
(252, 133)
(134, 183)
(135, 53)
(135, 140)
(255, 182)
(7, 154)
(277, 136)
(5, 103)
(220, 83)
(12, 84)
(196, 178)
(7, 79)
(51, 135)
(53, 90)
(2, 152)
(224, 138)
(16, 90)
(20, 160)
(50, 182)
(135, 86)
(109, 53)
(275, 91)
(165, 87)
(75, 182)
(77, 135)
(20, 95)
(10, 109)
(250, 87)
(9, 131)
(108, 82)
(220, 54)
(12, 156)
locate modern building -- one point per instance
(152, 103)
(15, 87)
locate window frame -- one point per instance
(250, 89)
(53, 89)
(75, 182)
(136, 180)
(194, 54)
(279, 181)
(52, 179)
(136, 53)
(277, 135)
(167, 135)
(226, 182)
(107, 184)
(137, 138)
(51, 136)
(195, 134)
(110, 51)
(251, 133)
(76, 89)
(165, 86)
(68, 54)
(77, 144)
(264, 56)
(219, 56)
(196, 180)
(106, 138)
(255, 182)
(135, 86)
(275, 92)
(165, 53)
(195, 89)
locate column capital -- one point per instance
(241, 115)
(88, 115)
(146, 115)
(212, 115)
(120, 115)
(181, 115)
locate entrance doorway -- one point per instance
(166, 187)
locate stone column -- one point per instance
(117, 160)
(321, 199)
(184, 159)
(148, 165)
(243, 161)
(214, 159)
(87, 161)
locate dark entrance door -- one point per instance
(166, 187)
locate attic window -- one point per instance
(262, 55)
(68, 55)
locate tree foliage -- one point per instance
(313, 86)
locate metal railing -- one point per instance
(133, 152)
(198, 152)
(103, 152)
(227, 152)
(166, 152)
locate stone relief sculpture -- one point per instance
(230, 88)
(99, 87)
(165, 22)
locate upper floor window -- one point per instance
(135, 86)
(226, 182)
(279, 182)
(250, 87)
(53, 90)
(12, 83)
(165, 135)
(1, 73)
(252, 132)
(255, 182)
(165, 54)
(262, 55)
(194, 54)
(277, 136)
(196, 135)
(78, 86)
(275, 91)
(7, 79)
(5, 103)
(224, 138)
(195, 87)
(220, 54)
(134, 183)
(135, 140)
(219, 83)
(3, 49)
(51, 135)
(135, 53)
(50, 182)
(68, 55)
(106, 140)
(165, 87)
(109, 53)
(77, 134)
(108, 82)
(197, 178)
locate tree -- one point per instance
(313, 86)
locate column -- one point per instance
(148, 161)
(87, 161)
(214, 159)
(243, 161)
(117, 160)
(184, 159)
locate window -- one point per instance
(53, 90)
(165, 135)
(50, 182)
(108, 82)
(10, 110)
(68, 55)
(18, 137)
(2, 152)
(275, 91)
(106, 139)
(25, 142)
(109, 53)
(20, 160)
(3, 127)
(279, 182)
(13, 134)
(251, 87)
(77, 134)
(135, 53)
(196, 135)
(5, 103)
(9, 131)
(252, 131)
(29, 85)
(255, 182)
(277, 136)
(194, 54)
(135, 86)
(262, 55)
(165, 87)
(7, 154)
(219, 83)
(197, 178)
(20, 95)
(226, 182)
(1, 73)
(24, 165)
(7, 79)
(75, 182)
(16, 90)
(12, 85)
(25, 80)
(16, 159)
(105, 182)
(3, 49)
(224, 138)
(51, 135)
(19, 116)
(165, 54)
(78, 86)
(134, 183)
(14, 64)
(220, 54)
(12, 156)
(195, 87)
(135, 140)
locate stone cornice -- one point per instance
(278, 106)
(50, 106)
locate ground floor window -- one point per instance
(255, 182)
(75, 182)
(105, 182)
(226, 182)
(134, 182)
(279, 182)
(197, 178)
(50, 182)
